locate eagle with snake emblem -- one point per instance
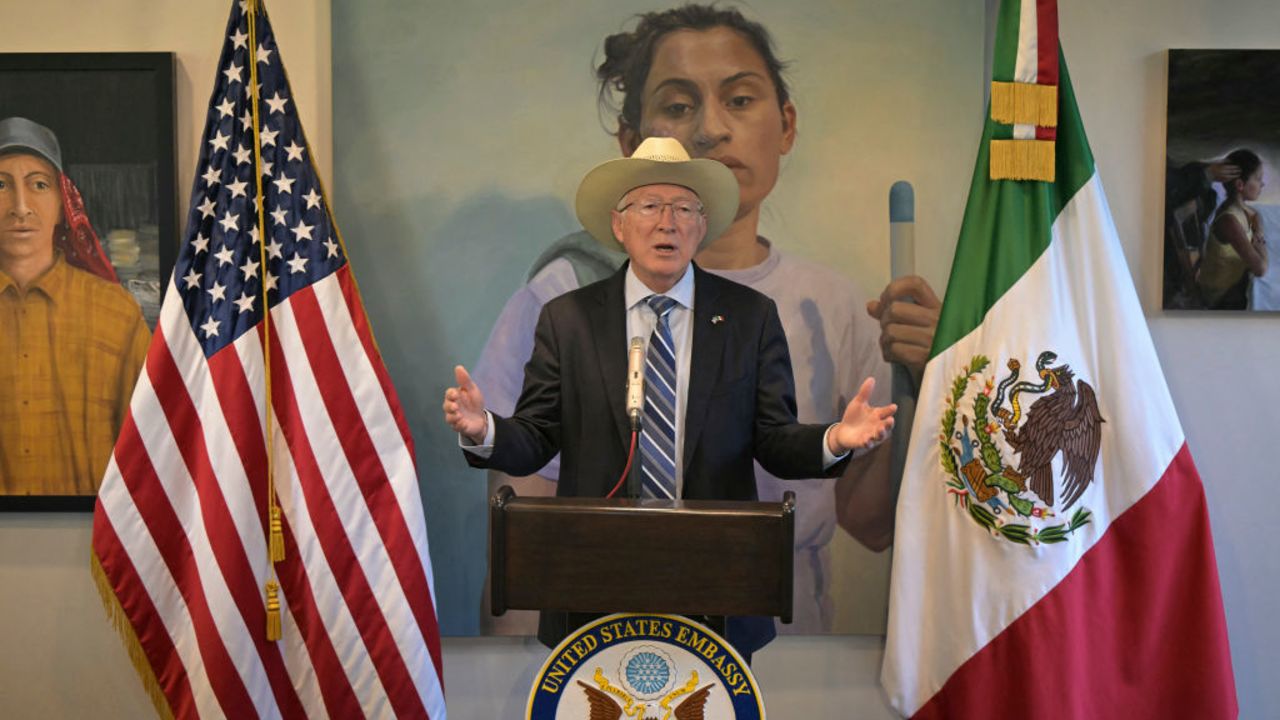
(1065, 419)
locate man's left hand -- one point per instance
(863, 426)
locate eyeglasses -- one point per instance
(683, 210)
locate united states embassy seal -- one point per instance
(645, 667)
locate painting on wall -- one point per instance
(1222, 213)
(460, 142)
(88, 234)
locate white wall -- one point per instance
(59, 657)
(1221, 369)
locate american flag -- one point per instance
(180, 536)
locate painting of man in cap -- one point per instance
(72, 340)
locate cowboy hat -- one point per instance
(658, 161)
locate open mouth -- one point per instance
(664, 249)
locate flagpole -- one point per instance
(275, 549)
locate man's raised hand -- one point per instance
(863, 426)
(464, 407)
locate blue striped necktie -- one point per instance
(658, 431)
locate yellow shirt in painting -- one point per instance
(71, 347)
(1222, 267)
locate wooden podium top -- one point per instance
(689, 557)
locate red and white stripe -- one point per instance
(181, 526)
(1037, 57)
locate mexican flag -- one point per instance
(1053, 556)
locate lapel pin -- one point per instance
(717, 319)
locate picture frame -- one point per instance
(1222, 104)
(114, 115)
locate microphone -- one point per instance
(635, 382)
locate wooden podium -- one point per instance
(683, 557)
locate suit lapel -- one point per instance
(705, 359)
(609, 320)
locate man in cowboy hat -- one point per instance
(719, 348)
(72, 340)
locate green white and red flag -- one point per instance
(1053, 556)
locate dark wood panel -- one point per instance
(621, 555)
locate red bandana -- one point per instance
(79, 245)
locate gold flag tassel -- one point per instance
(275, 533)
(1024, 104)
(1023, 160)
(273, 611)
(1014, 103)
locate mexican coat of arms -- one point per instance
(999, 458)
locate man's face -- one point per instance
(711, 91)
(660, 227)
(30, 205)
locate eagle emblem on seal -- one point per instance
(604, 707)
(1000, 458)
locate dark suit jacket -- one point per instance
(740, 406)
